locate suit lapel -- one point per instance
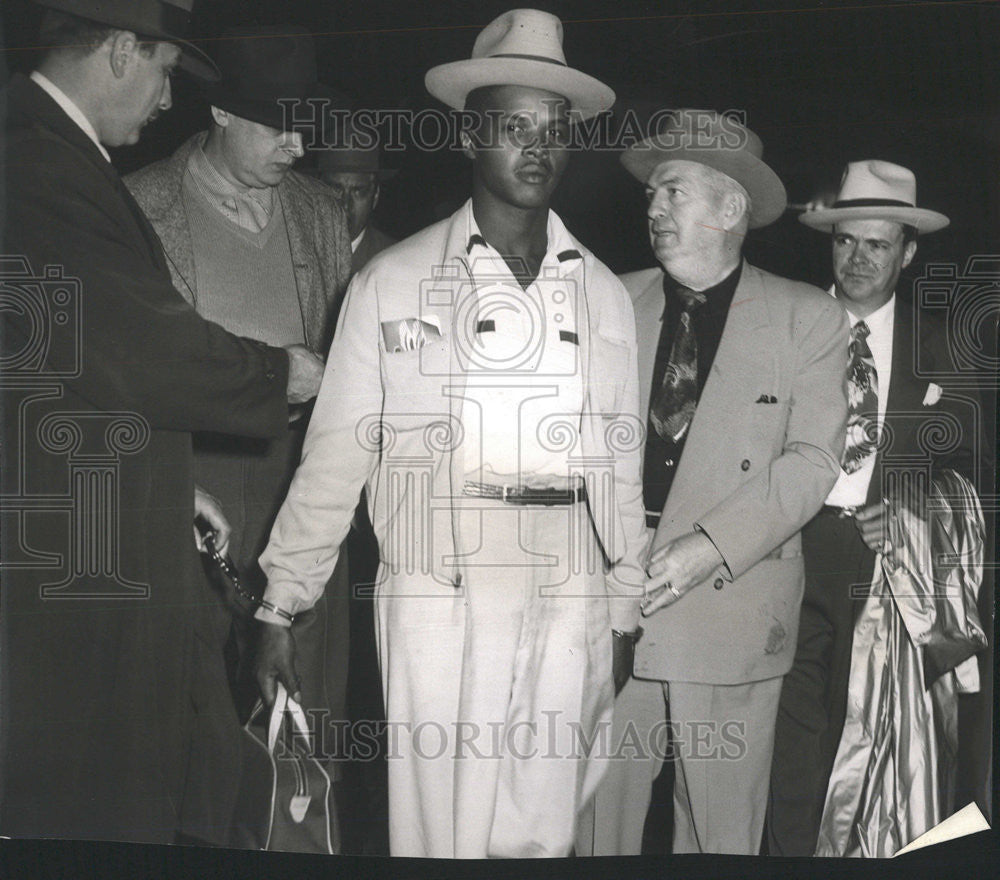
(299, 221)
(743, 350)
(649, 323)
(744, 337)
(363, 253)
(905, 396)
(145, 227)
(172, 224)
(904, 387)
(46, 111)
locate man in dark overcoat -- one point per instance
(110, 680)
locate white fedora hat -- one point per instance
(876, 190)
(523, 47)
(722, 143)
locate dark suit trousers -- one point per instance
(813, 703)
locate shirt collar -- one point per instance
(218, 188)
(880, 321)
(357, 241)
(70, 108)
(562, 250)
(718, 296)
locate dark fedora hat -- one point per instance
(353, 154)
(338, 159)
(263, 65)
(167, 21)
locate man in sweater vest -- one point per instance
(263, 251)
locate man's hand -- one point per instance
(305, 372)
(209, 509)
(621, 660)
(873, 525)
(678, 567)
(276, 662)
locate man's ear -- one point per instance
(220, 117)
(908, 253)
(122, 47)
(468, 147)
(736, 207)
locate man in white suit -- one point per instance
(482, 388)
(742, 375)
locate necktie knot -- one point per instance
(860, 331)
(691, 299)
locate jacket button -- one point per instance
(269, 375)
(719, 583)
(745, 464)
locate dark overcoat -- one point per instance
(107, 671)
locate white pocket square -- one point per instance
(933, 394)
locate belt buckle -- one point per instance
(848, 512)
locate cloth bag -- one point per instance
(286, 796)
(913, 652)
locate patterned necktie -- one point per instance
(251, 210)
(673, 407)
(862, 393)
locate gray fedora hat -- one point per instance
(720, 142)
(876, 190)
(522, 47)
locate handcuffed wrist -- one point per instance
(266, 614)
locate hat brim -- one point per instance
(381, 174)
(452, 82)
(768, 198)
(193, 60)
(266, 111)
(923, 219)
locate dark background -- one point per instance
(822, 83)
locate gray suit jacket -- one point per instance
(317, 237)
(751, 475)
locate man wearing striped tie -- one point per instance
(875, 225)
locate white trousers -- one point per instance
(495, 689)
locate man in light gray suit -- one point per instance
(742, 377)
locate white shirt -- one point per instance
(524, 389)
(69, 108)
(851, 490)
(357, 241)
